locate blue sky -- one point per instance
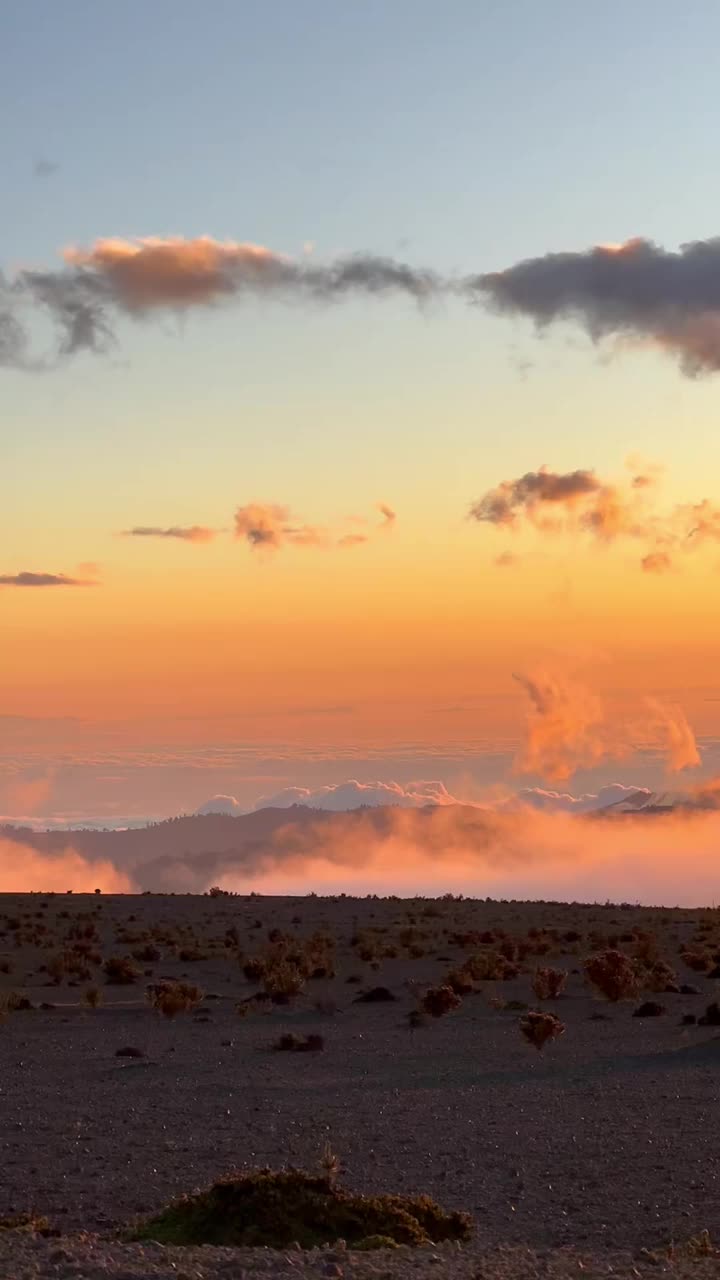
(462, 136)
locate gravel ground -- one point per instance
(605, 1144)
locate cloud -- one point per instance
(676, 737)
(564, 802)
(567, 729)
(580, 502)
(24, 869)
(221, 804)
(564, 729)
(656, 562)
(184, 533)
(552, 501)
(342, 796)
(43, 168)
(506, 560)
(531, 492)
(635, 291)
(666, 858)
(270, 526)
(26, 579)
(151, 275)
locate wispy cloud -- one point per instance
(568, 728)
(182, 533)
(26, 579)
(270, 526)
(149, 275)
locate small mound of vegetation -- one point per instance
(376, 995)
(29, 1222)
(538, 1028)
(614, 975)
(171, 998)
(438, 1001)
(290, 1043)
(273, 1210)
(547, 984)
(649, 1009)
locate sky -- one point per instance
(302, 636)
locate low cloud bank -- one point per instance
(661, 855)
(668, 858)
(24, 869)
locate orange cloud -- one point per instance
(580, 502)
(656, 562)
(270, 525)
(567, 729)
(155, 272)
(26, 870)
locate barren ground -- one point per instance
(605, 1143)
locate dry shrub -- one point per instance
(438, 1001)
(277, 1210)
(538, 1028)
(259, 1003)
(290, 1043)
(489, 966)
(660, 977)
(282, 982)
(698, 961)
(120, 971)
(547, 984)
(614, 975)
(148, 954)
(93, 997)
(171, 998)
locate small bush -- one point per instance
(614, 975)
(172, 998)
(290, 1043)
(538, 1028)
(438, 1001)
(275, 1210)
(93, 997)
(120, 971)
(547, 984)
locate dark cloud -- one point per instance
(526, 495)
(636, 291)
(26, 579)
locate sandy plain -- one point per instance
(590, 1157)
